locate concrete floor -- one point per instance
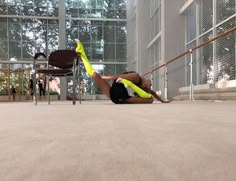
(101, 141)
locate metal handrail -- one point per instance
(191, 62)
(193, 49)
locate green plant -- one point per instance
(53, 93)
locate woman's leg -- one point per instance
(98, 79)
(102, 84)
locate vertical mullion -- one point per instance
(214, 42)
(197, 42)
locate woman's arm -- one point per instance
(158, 97)
(133, 77)
(139, 100)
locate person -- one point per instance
(31, 87)
(118, 91)
(41, 88)
(13, 91)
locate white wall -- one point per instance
(174, 44)
(172, 40)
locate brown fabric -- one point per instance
(62, 58)
(56, 72)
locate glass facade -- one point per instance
(28, 27)
(206, 19)
(155, 49)
(102, 27)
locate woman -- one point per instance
(118, 92)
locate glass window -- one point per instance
(225, 53)
(52, 11)
(109, 4)
(28, 30)
(109, 13)
(28, 11)
(206, 15)
(109, 52)
(15, 49)
(152, 22)
(28, 49)
(109, 69)
(224, 9)
(72, 33)
(99, 4)
(206, 60)
(14, 10)
(191, 23)
(53, 3)
(96, 33)
(96, 13)
(40, 3)
(120, 14)
(28, 2)
(157, 21)
(109, 34)
(3, 9)
(121, 68)
(157, 47)
(3, 29)
(53, 37)
(121, 34)
(14, 31)
(3, 50)
(85, 33)
(120, 4)
(121, 52)
(97, 51)
(3, 2)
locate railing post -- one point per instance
(166, 80)
(49, 80)
(34, 82)
(151, 77)
(191, 76)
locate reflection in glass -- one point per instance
(206, 61)
(15, 49)
(109, 50)
(121, 51)
(225, 53)
(224, 9)
(3, 50)
(206, 15)
(109, 34)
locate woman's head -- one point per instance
(146, 85)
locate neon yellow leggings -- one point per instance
(87, 65)
(135, 88)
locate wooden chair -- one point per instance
(60, 63)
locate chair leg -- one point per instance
(78, 78)
(48, 89)
(74, 83)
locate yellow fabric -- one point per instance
(87, 65)
(135, 88)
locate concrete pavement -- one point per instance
(101, 141)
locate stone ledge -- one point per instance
(219, 91)
(208, 96)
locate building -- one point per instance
(29, 27)
(161, 30)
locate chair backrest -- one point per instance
(37, 55)
(62, 58)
